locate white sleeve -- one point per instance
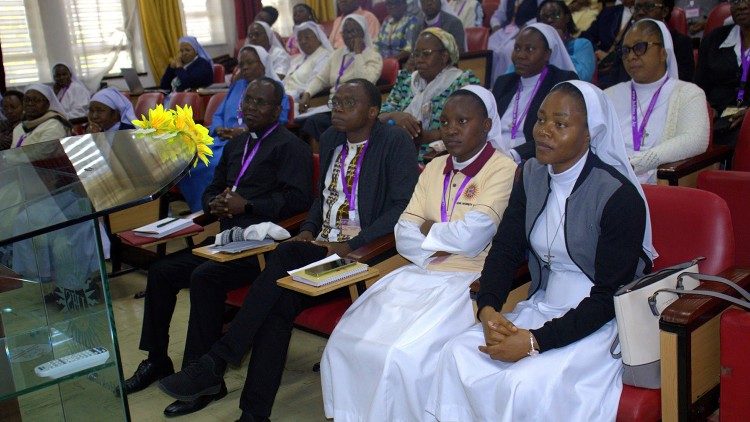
(466, 237)
(409, 242)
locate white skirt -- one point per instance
(379, 363)
(578, 382)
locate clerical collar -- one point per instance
(651, 85)
(434, 20)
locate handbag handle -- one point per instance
(669, 270)
(679, 291)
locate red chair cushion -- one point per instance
(639, 405)
(734, 188)
(237, 296)
(716, 17)
(218, 74)
(678, 21)
(213, 104)
(477, 38)
(324, 317)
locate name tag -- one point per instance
(692, 12)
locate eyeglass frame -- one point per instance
(247, 101)
(426, 52)
(623, 51)
(335, 103)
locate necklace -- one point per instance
(548, 256)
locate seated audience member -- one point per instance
(253, 63)
(505, 23)
(696, 12)
(416, 101)
(469, 12)
(301, 13)
(43, 117)
(316, 52)
(557, 15)
(357, 59)
(558, 340)
(345, 9)
(396, 36)
(383, 373)
(110, 111)
(269, 15)
(606, 34)
(72, 93)
(347, 213)
(259, 33)
(435, 16)
(192, 68)
(583, 13)
(275, 184)
(663, 119)
(12, 104)
(722, 60)
(541, 62)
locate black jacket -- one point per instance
(387, 179)
(604, 29)
(278, 182)
(197, 75)
(505, 89)
(718, 73)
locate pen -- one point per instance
(171, 220)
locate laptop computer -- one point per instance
(134, 82)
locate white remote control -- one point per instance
(72, 363)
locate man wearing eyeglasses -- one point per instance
(263, 175)
(369, 171)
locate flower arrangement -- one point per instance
(176, 126)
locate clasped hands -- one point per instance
(504, 341)
(342, 249)
(227, 204)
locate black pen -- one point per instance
(167, 222)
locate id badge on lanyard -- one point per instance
(351, 226)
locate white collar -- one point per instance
(569, 176)
(650, 86)
(464, 164)
(733, 38)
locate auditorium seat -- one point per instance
(192, 99)
(734, 188)
(380, 11)
(488, 8)
(716, 17)
(327, 27)
(213, 104)
(678, 21)
(146, 102)
(218, 74)
(477, 38)
(741, 157)
(390, 72)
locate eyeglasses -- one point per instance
(638, 48)
(336, 104)
(424, 53)
(257, 102)
(647, 7)
(550, 17)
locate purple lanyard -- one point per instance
(246, 161)
(349, 193)
(743, 80)
(443, 205)
(21, 139)
(518, 119)
(638, 131)
(461, 9)
(344, 65)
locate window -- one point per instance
(18, 55)
(204, 21)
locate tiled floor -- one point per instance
(299, 398)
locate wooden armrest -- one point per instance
(676, 170)
(522, 277)
(375, 248)
(294, 222)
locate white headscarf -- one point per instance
(668, 46)
(273, 41)
(359, 20)
(73, 76)
(607, 143)
(559, 56)
(317, 30)
(113, 99)
(264, 57)
(54, 103)
(491, 104)
(197, 47)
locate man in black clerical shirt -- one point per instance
(380, 167)
(276, 184)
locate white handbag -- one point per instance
(638, 325)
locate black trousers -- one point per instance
(209, 282)
(265, 322)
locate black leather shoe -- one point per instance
(181, 407)
(147, 373)
(203, 377)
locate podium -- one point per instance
(54, 292)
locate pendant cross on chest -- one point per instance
(547, 260)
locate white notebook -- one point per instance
(302, 277)
(163, 227)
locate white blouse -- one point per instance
(527, 86)
(302, 69)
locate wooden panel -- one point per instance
(668, 346)
(704, 352)
(205, 252)
(477, 62)
(134, 217)
(288, 283)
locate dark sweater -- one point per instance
(199, 74)
(278, 182)
(449, 24)
(718, 72)
(604, 228)
(387, 179)
(505, 89)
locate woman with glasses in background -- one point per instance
(556, 14)
(44, 118)
(663, 119)
(417, 99)
(722, 72)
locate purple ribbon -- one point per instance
(638, 131)
(743, 80)
(344, 65)
(247, 160)
(516, 118)
(349, 193)
(443, 205)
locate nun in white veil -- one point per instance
(306, 65)
(676, 126)
(70, 91)
(43, 120)
(272, 44)
(549, 358)
(379, 362)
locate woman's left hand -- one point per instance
(511, 349)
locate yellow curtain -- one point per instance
(162, 27)
(325, 10)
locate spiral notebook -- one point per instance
(302, 277)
